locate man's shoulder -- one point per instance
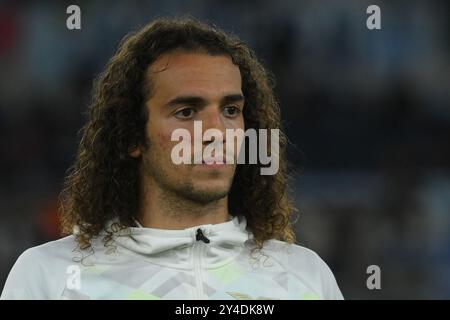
(292, 251)
(57, 249)
(38, 271)
(305, 265)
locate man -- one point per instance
(147, 228)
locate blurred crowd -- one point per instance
(367, 113)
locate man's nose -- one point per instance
(213, 120)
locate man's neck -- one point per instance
(164, 210)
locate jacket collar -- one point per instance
(175, 248)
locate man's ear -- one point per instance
(135, 152)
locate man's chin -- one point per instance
(206, 194)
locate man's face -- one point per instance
(188, 87)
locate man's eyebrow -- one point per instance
(186, 100)
(233, 98)
(197, 101)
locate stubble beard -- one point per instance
(179, 192)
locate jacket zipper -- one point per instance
(199, 245)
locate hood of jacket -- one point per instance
(179, 248)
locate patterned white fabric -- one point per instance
(146, 263)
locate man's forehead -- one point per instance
(194, 71)
(182, 59)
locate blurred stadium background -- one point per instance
(367, 113)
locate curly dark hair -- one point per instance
(103, 183)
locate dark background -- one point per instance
(367, 113)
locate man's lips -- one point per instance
(213, 163)
(217, 160)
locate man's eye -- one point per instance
(231, 111)
(185, 113)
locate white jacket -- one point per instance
(146, 263)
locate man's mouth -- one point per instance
(213, 162)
